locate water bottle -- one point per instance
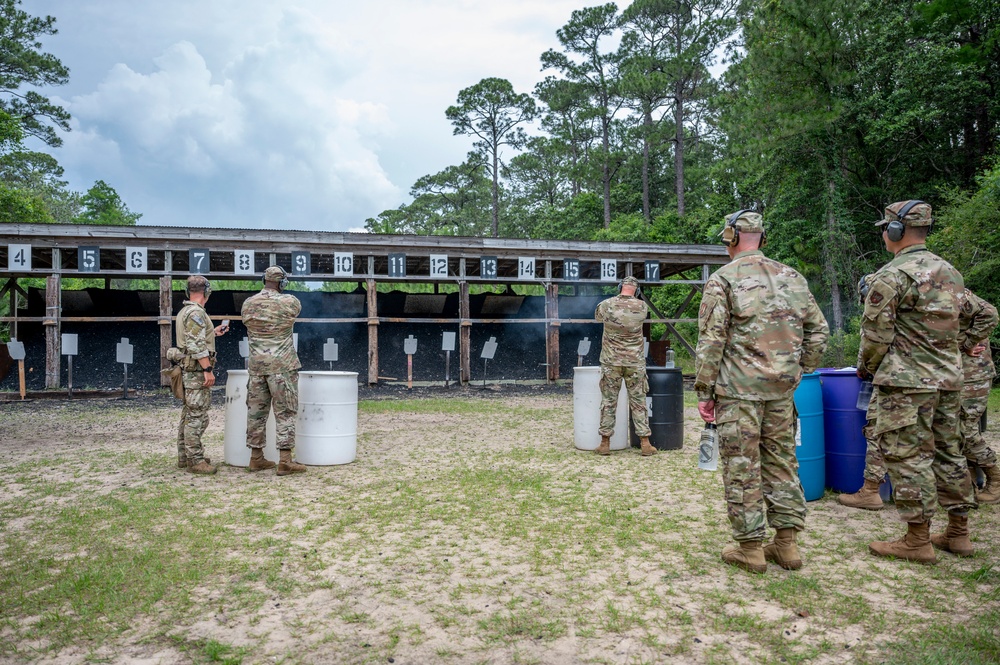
(670, 359)
(708, 449)
(864, 396)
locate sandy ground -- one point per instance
(553, 556)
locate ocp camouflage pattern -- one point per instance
(269, 317)
(976, 322)
(622, 343)
(759, 330)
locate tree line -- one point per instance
(652, 122)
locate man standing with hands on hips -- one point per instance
(910, 349)
(274, 379)
(759, 330)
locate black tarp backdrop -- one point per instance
(520, 352)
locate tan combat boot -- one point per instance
(286, 466)
(183, 463)
(991, 491)
(647, 447)
(867, 497)
(914, 546)
(955, 538)
(783, 550)
(605, 447)
(202, 467)
(257, 460)
(748, 555)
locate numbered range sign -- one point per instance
(302, 263)
(571, 269)
(343, 264)
(397, 265)
(525, 267)
(136, 259)
(439, 265)
(88, 259)
(609, 270)
(652, 271)
(18, 257)
(198, 261)
(243, 261)
(488, 267)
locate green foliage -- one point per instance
(18, 206)
(102, 205)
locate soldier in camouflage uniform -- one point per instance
(976, 323)
(759, 330)
(274, 380)
(623, 359)
(196, 341)
(909, 344)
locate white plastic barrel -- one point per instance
(587, 411)
(235, 451)
(326, 432)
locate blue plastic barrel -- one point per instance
(842, 425)
(810, 449)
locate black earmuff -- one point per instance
(895, 229)
(638, 288)
(730, 234)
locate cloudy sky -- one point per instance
(301, 114)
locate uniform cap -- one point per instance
(919, 215)
(274, 274)
(630, 281)
(748, 222)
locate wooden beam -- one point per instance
(464, 333)
(372, 332)
(165, 321)
(552, 331)
(53, 341)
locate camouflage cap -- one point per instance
(630, 281)
(918, 215)
(748, 222)
(275, 274)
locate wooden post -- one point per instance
(53, 342)
(165, 320)
(552, 330)
(372, 331)
(464, 333)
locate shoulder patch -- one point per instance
(875, 298)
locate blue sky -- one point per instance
(299, 114)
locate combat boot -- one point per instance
(257, 460)
(867, 497)
(748, 555)
(955, 538)
(286, 466)
(605, 447)
(783, 550)
(202, 467)
(647, 447)
(183, 463)
(914, 546)
(991, 491)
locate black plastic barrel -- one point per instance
(666, 399)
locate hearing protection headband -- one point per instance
(895, 229)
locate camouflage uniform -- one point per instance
(195, 336)
(909, 333)
(273, 367)
(976, 322)
(759, 330)
(623, 359)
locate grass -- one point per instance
(474, 535)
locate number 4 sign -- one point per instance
(18, 257)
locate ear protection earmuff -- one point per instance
(895, 229)
(638, 289)
(730, 234)
(208, 289)
(284, 278)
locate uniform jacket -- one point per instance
(195, 335)
(909, 328)
(622, 342)
(976, 323)
(759, 329)
(269, 317)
